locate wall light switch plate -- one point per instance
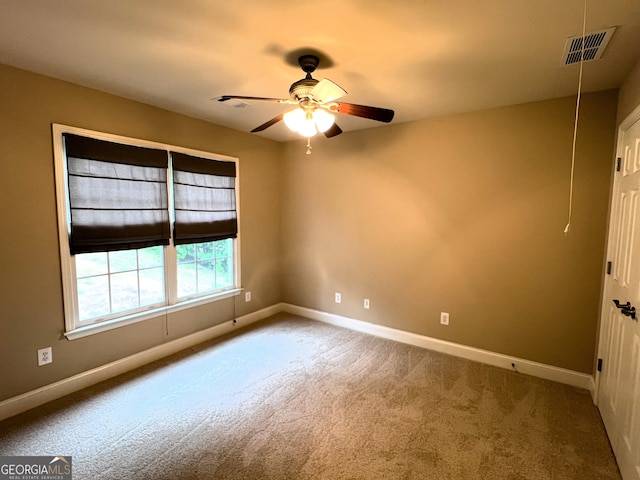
(44, 356)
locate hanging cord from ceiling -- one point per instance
(567, 229)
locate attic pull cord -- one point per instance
(567, 229)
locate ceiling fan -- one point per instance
(316, 103)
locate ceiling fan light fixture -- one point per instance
(308, 123)
(307, 127)
(293, 118)
(323, 119)
(300, 121)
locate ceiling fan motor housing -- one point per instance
(302, 88)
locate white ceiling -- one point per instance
(421, 58)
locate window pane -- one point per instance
(187, 284)
(223, 248)
(205, 250)
(206, 276)
(93, 297)
(186, 253)
(88, 264)
(150, 257)
(123, 261)
(151, 286)
(124, 291)
(224, 273)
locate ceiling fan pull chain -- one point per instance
(308, 145)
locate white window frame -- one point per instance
(73, 327)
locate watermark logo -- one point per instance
(35, 468)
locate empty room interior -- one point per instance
(440, 282)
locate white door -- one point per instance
(619, 389)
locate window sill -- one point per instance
(155, 313)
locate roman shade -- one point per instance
(117, 195)
(204, 199)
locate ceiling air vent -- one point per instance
(594, 45)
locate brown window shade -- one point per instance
(204, 199)
(117, 195)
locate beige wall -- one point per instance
(463, 214)
(31, 310)
(629, 97)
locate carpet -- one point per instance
(291, 398)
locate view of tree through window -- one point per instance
(204, 266)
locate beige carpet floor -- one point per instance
(291, 398)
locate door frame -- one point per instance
(624, 125)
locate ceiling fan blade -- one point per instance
(364, 111)
(327, 91)
(266, 125)
(333, 131)
(224, 98)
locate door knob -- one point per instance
(626, 309)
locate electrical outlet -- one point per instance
(247, 296)
(366, 304)
(338, 297)
(44, 356)
(444, 318)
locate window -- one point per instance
(144, 228)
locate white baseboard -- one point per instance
(26, 401)
(34, 398)
(548, 372)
